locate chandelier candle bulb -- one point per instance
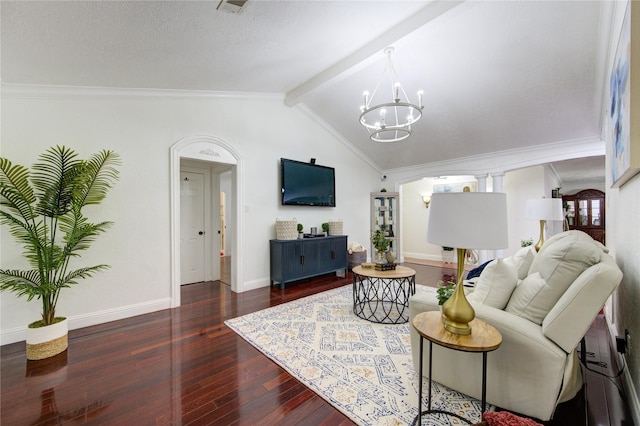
(397, 98)
(366, 99)
(420, 93)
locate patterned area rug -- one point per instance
(361, 368)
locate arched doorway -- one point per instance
(212, 150)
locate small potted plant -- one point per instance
(526, 243)
(300, 229)
(445, 291)
(381, 244)
(325, 228)
(447, 254)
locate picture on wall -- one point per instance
(625, 148)
(454, 187)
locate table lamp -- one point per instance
(543, 209)
(466, 220)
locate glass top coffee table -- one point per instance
(383, 296)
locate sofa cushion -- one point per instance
(560, 261)
(575, 234)
(495, 284)
(553, 270)
(522, 261)
(530, 300)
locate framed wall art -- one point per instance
(624, 113)
(455, 187)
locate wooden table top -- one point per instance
(399, 272)
(483, 338)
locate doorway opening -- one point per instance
(194, 158)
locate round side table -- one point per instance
(484, 338)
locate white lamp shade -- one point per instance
(470, 220)
(544, 209)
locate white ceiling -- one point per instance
(497, 75)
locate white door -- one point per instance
(192, 229)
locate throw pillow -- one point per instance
(530, 301)
(475, 272)
(505, 418)
(522, 260)
(495, 284)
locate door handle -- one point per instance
(201, 233)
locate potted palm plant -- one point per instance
(43, 208)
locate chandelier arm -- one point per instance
(375, 90)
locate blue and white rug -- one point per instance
(361, 368)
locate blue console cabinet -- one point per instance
(293, 260)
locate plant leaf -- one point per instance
(15, 191)
(99, 175)
(22, 283)
(54, 179)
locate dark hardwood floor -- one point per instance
(184, 366)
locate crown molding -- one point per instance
(329, 128)
(28, 91)
(503, 161)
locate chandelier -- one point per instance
(390, 121)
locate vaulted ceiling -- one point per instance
(497, 75)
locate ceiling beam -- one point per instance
(348, 65)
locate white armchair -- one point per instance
(542, 317)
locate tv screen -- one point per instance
(306, 184)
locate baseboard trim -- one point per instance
(631, 394)
(18, 334)
(255, 284)
(627, 380)
(422, 256)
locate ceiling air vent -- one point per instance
(231, 6)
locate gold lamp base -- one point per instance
(455, 327)
(457, 312)
(541, 240)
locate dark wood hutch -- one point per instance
(584, 211)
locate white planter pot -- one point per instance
(45, 342)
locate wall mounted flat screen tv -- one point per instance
(307, 184)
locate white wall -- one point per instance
(415, 217)
(142, 128)
(623, 227)
(520, 186)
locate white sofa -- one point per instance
(543, 304)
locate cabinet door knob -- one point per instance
(201, 233)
